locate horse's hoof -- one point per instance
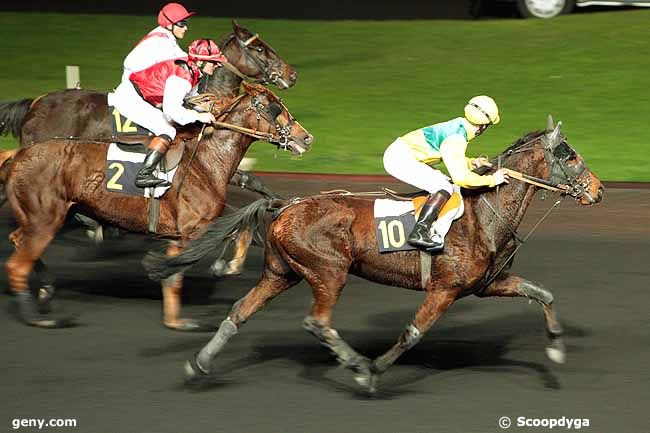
(556, 352)
(27, 312)
(45, 296)
(219, 268)
(52, 323)
(194, 372)
(363, 375)
(190, 325)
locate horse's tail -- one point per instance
(4, 157)
(159, 266)
(12, 114)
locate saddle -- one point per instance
(172, 157)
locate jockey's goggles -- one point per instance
(181, 24)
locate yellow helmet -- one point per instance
(482, 110)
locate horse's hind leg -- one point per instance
(513, 286)
(268, 287)
(236, 264)
(30, 244)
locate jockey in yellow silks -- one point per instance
(410, 159)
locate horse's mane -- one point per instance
(526, 139)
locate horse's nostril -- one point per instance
(601, 191)
(293, 76)
(308, 139)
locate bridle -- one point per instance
(269, 112)
(266, 68)
(564, 178)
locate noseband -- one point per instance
(261, 111)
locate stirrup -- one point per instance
(438, 243)
(150, 182)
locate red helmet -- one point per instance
(206, 49)
(172, 13)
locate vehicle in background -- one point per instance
(551, 8)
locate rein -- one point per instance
(516, 236)
(541, 183)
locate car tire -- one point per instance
(544, 8)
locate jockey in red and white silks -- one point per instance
(165, 85)
(410, 158)
(160, 44)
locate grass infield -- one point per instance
(363, 83)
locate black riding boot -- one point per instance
(421, 235)
(145, 177)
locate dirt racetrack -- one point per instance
(121, 371)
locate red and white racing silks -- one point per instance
(157, 46)
(168, 83)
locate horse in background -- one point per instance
(84, 114)
(43, 182)
(323, 238)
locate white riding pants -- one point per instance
(131, 105)
(400, 163)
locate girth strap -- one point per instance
(425, 268)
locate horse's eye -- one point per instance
(563, 152)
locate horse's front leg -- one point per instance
(172, 288)
(434, 305)
(513, 286)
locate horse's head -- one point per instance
(269, 119)
(256, 59)
(565, 166)
(557, 162)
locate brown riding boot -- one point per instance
(421, 235)
(157, 149)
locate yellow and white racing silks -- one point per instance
(446, 142)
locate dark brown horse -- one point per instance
(324, 238)
(83, 113)
(43, 182)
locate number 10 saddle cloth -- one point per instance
(394, 219)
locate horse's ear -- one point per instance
(241, 31)
(555, 135)
(549, 123)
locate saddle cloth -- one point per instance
(395, 219)
(121, 169)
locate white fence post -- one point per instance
(72, 80)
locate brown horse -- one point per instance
(84, 114)
(324, 238)
(42, 182)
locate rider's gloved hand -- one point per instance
(501, 176)
(478, 162)
(206, 118)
